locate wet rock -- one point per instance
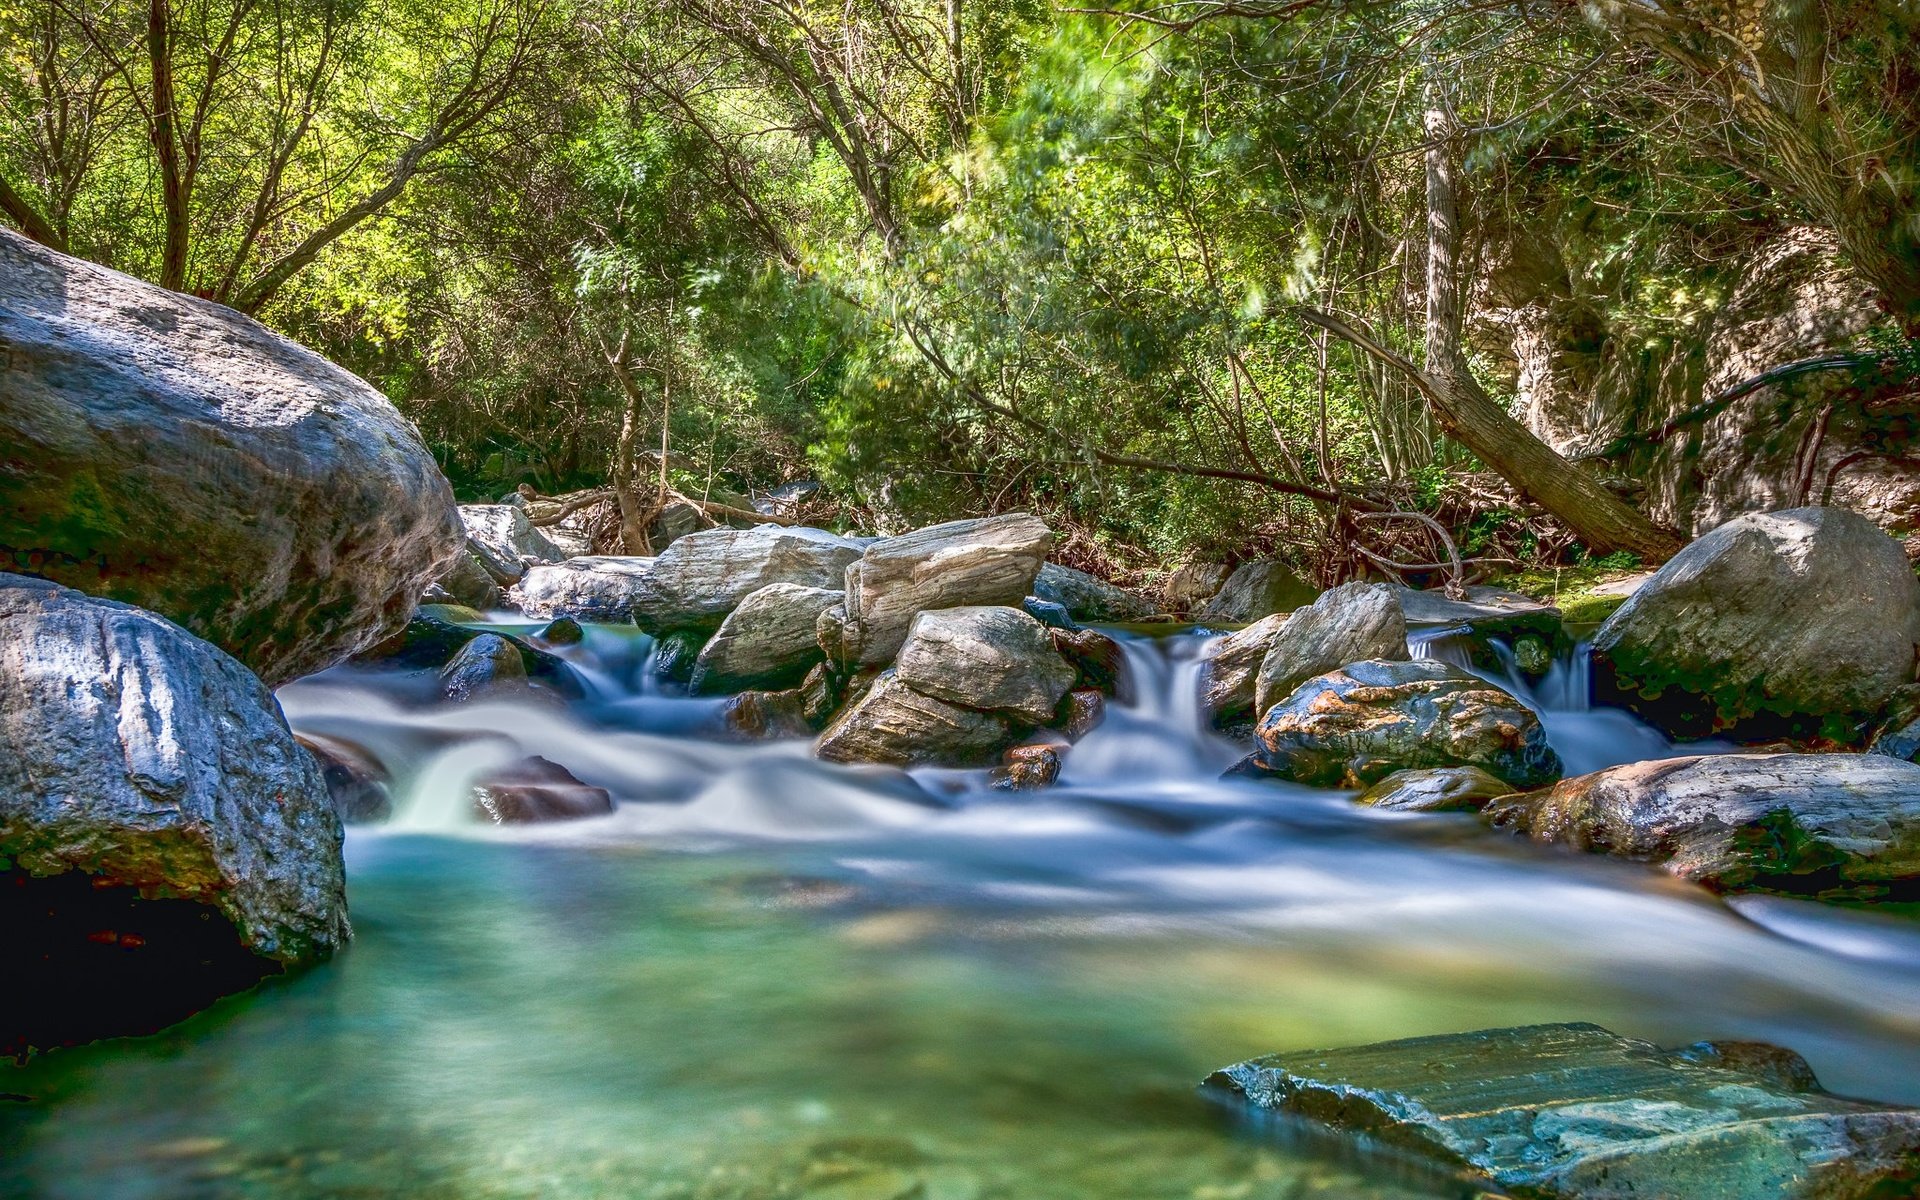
(703, 576)
(1229, 677)
(1773, 620)
(489, 665)
(602, 587)
(1576, 1112)
(762, 715)
(1355, 726)
(1097, 660)
(989, 561)
(174, 454)
(987, 657)
(1088, 597)
(536, 789)
(1898, 732)
(767, 642)
(1816, 823)
(821, 694)
(1256, 590)
(674, 654)
(1026, 769)
(1191, 586)
(1436, 789)
(1053, 616)
(1352, 623)
(1081, 713)
(893, 723)
(563, 631)
(1487, 610)
(468, 583)
(435, 637)
(503, 540)
(136, 761)
(356, 781)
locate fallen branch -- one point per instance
(583, 500)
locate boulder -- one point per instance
(989, 561)
(1193, 584)
(1231, 672)
(1089, 597)
(436, 636)
(536, 789)
(1026, 769)
(1578, 1113)
(893, 723)
(561, 631)
(1255, 590)
(503, 540)
(988, 657)
(147, 779)
(1355, 726)
(599, 587)
(1772, 621)
(1081, 713)
(1814, 823)
(487, 665)
(1435, 789)
(762, 715)
(171, 453)
(356, 781)
(1351, 623)
(1097, 660)
(674, 654)
(767, 642)
(466, 582)
(703, 576)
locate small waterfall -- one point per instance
(1449, 644)
(1163, 732)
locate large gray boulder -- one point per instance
(1230, 676)
(1088, 597)
(1789, 617)
(1578, 1113)
(768, 642)
(594, 587)
(145, 771)
(1351, 623)
(174, 454)
(503, 540)
(1258, 589)
(893, 723)
(703, 576)
(992, 560)
(1827, 823)
(988, 657)
(1355, 726)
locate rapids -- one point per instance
(765, 976)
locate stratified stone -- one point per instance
(991, 657)
(703, 576)
(1352, 623)
(603, 587)
(988, 561)
(767, 642)
(893, 723)
(1229, 677)
(503, 540)
(1574, 1112)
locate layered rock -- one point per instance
(703, 576)
(589, 588)
(504, 541)
(1578, 1113)
(1352, 623)
(1355, 726)
(893, 723)
(1088, 597)
(767, 642)
(1825, 823)
(988, 657)
(1256, 590)
(989, 561)
(174, 454)
(1775, 619)
(145, 770)
(1230, 677)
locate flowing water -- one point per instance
(766, 977)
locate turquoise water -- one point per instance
(766, 977)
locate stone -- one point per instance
(1097, 660)
(1088, 597)
(674, 655)
(988, 561)
(820, 695)
(1193, 584)
(1352, 623)
(171, 453)
(1774, 622)
(502, 538)
(763, 715)
(1486, 610)
(561, 631)
(1026, 769)
(1435, 789)
(1231, 672)
(702, 577)
(892, 723)
(147, 772)
(1053, 616)
(435, 637)
(1898, 734)
(1355, 726)
(1256, 590)
(1840, 824)
(1081, 713)
(356, 781)
(467, 582)
(537, 789)
(487, 666)
(1578, 1113)
(595, 587)
(767, 642)
(988, 657)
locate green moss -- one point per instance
(1570, 589)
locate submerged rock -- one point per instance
(1436, 789)
(1355, 726)
(145, 765)
(1087, 597)
(536, 789)
(356, 781)
(767, 642)
(1081, 713)
(594, 587)
(1578, 1113)
(1772, 619)
(761, 715)
(1256, 590)
(1229, 678)
(1828, 823)
(1026, 769)
(988, 657)
(487, 665)
(988, 561)
(174, 454)
(703, 576)
(1354, 622)
(676, 653)
(892, 723)
(436, 636)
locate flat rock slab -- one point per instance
(1577, 1112)
(1486, 609)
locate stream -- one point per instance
(769, 977)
